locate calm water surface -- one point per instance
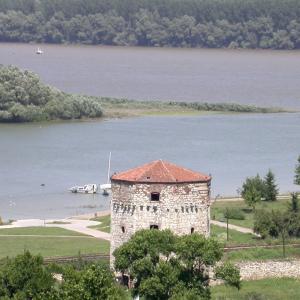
(60, 155)
(265, 78)
(230, 147)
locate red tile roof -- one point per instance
(160, 171)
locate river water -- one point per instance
(230, 147)
(261, 77)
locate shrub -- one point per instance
(234, 213)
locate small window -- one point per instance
(123, 229)
(153, 226)
(192, 230)
(154, 196)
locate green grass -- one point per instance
(39, 231)
(105, 223)
(219, 207)
(238, 238)
(268, 289)
(261, 254)
(235, 237)
(49, 242)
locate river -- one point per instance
(260, 77)
(40, 161)
(59, 155)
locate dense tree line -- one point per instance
(24, 98)
(190, 23)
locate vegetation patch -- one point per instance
(218, 208)
(258, 253)
(265, 289)
(49, 241)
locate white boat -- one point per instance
(106, 187)
(86, 189)
(39, 51)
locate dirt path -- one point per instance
(235, 227)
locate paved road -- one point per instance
(70, 224)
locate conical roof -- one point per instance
(160, 171)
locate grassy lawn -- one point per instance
(235, 237)
(105, 223)
(261, 254)
(54, 242)
(219, 207)
(39, 231)
(265, 289)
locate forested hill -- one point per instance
(178, 23)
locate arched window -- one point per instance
(192, 230)
(123, 229)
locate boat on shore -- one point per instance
(85, 189)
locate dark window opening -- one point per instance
(154, 196)
(153, 226)
(123, 229)
(192, 230)
(125, 280)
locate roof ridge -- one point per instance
(149, 165)
(168, 171)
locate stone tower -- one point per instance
(158, 195)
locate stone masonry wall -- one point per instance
(256, 270)
(181, 207)
(269, 269)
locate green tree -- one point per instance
(93, 282)
(163, 266)
(282, 223)
(253, 190)
(24, 277)
(297, 172)
(270, 190)
(294, 205)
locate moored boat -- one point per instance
(85, 189)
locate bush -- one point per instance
(234, 213)
(263, 224)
